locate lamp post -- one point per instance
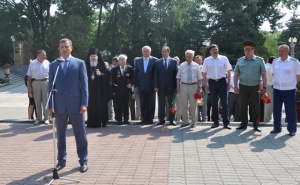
(292, 41)
(13, 39)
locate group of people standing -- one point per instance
(234, 88)
(98, 88)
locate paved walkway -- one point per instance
(13, 99)
(134, 154)
(145, 154)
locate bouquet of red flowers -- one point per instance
(173, 109)
(265, 98)
(198, 98)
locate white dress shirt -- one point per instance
(216, 68)
(38, 70)
(285, 73)
(184, 70)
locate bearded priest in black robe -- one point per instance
(99, 89)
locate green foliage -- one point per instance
(233, 22)
(73, 27)
(10, 24)
(292, 31)
(271, 44)
(126, 26)
(83, 8)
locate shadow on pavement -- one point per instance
(14, 130)
(270, 142)
(182, 134)
(150, 131)
(236, 137)
(43, 177)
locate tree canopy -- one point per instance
(122, 26)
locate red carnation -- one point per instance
(197, 96)
(266, 98)
(173, 110)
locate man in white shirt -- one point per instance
(38, 73)
(215, 69)
(188, 82)
(234, 105)
(286, 74)
(268, 110)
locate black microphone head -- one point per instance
(60, 60)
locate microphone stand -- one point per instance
(55, 175)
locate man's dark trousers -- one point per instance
(162, 94)
(249, 95)
(219, 89)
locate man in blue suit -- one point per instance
(143, 76)
(70, 102)
(165, 84)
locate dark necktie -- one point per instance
(66, 66)
(166, 65)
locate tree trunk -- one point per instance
(113, 42)
(99, 26)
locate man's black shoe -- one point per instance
(185, 125)
(292, 133)
(150, 121)
(83, 168)
(226, 127)
(193, 125)
(257, 128)
(60, 166)
(275, 131)
(241, 127)
(161, 122)
(173, 123)
(215, 125)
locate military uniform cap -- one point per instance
(248, 44)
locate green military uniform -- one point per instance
(250, 72)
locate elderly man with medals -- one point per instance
(122, 81)
(99, 89)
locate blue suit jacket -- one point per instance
(165, 80)
(72, 88)
(144, 81)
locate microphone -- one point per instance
(60, 60)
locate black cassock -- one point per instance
(99, 95)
